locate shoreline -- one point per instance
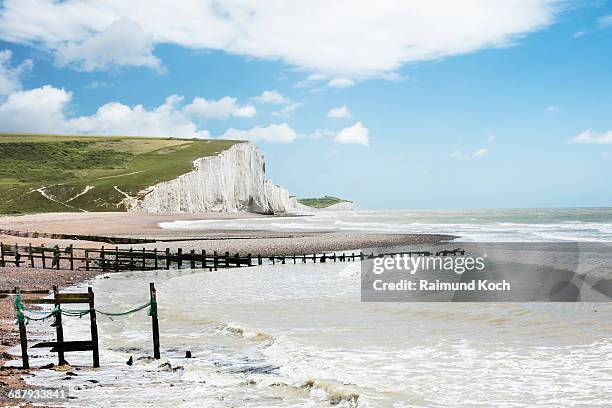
(146, 226)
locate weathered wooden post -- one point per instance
(192, 260)
(17, 255)
(167, 258)
(179, 253)
(94, 328)
(2, 255)
(102, 259)
(86, 259)
(30, 251)
(71, 249)
(227, 259)
(154, 321)
(259, 260)
(144, 259)
(293, 258)
(215, 260)
(203, 259)
(237, 259)
(59, 330)
(23, 336)
(352, 256)
(303, 258)
(42, 256)
(249, 258)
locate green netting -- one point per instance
(46, 314)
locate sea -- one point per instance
(298, 335)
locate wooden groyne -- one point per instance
(24, 314)
(118, 259)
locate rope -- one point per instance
(21, 317)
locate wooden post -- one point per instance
(227, 259)
(179, 253)
(71, 257)
(94, 328)
(44, 259)
(31, 255)
(102, 259)
(156, 260)
(259, 260)
(131, 259)
(116, 258)
(361, 256)
(167, 258)
(334, 257)
(59, 330)
(352, 256)
(154, 321)
(23, 339)
(249, 258)
(203, 259)
(304, 258)
(86, 259)
(294, 258)
(237, 259)
(192, 260)
(2, 254)
(57, 253)
(215, 260)
(144, 259)
(17, 255)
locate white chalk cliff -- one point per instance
(234, 180)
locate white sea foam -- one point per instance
(593, 225)
(298, 335)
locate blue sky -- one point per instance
(503, 106)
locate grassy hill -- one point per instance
(322, 202)
(49, 173)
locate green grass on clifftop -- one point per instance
(322, 202)
(48, 173)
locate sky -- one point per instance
(392, 104)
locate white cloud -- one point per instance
(491, 138)
(356, 134)
(219, 109)
(272, 97)
(311, 80)
(552, 109)
(36, 110)
(321, 133)
(589, 137)
(348, 32)
(481, 152)
(339, 112)
(605, 21)
(10, 77)
(579, 34)
(122, 43)
(459, 155)
(341, 82)
(275, 133)
(286, 110)
(44, 110)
